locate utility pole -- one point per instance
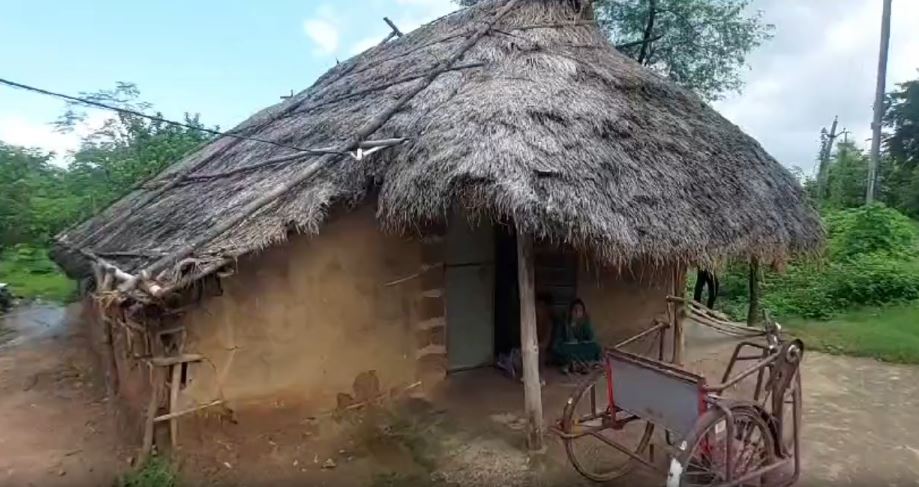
(878, 104)
(823, 171)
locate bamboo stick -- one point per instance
(175, 360)
(174, 404)
(177, 414)
(309, 171)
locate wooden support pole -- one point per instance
(152, 406)
(753, 310)
(529, 343)
(677, 313)
(174, 382)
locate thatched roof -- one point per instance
(541, 122)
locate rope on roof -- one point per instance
(365, 148)
(372, 126)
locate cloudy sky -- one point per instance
(226, 60)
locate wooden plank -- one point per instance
(170, 416)
(529, 343)
(178, 359)
(174, 404)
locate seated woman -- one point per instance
(574, 345)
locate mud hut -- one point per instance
(394, 220)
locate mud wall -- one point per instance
(300, 322)
(624, 302)
(124, 376)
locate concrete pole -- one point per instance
(878, 104)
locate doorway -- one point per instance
(555, 278)
(482, 295)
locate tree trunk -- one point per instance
(529, 343)
(649, 30)
(878, 103)
(753, 312)
(823, 171)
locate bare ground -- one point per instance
(55, 426)
(57, 429)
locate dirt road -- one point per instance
(862, 426)
(54, 423)
(56, 429)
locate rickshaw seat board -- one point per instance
(668, 396)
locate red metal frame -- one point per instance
(770, 360)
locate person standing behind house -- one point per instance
(575, 346)
(706, 278)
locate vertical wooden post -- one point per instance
(677, 313)
(152, 406)
(174, 383)
(753, 311)
(529, 343)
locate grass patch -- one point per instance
(887, 333)
(157, 472)
(31, 274)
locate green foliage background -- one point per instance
(871, 260)
(39, 198)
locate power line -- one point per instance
(135, 113)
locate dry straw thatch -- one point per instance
(541, 122)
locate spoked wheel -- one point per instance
(588, 414)
(705, 461)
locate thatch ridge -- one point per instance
(541, 123)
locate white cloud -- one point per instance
(408, 15)
(323, 34)
(821, 63)
(17, 130)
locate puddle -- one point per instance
(30, 321)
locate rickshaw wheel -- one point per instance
(590, 456)
(753, 448)
(791, 414)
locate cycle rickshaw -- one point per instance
(710, 439)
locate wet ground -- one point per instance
(56, 427)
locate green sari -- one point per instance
(576, 343)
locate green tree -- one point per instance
(39, 199)
(847, 177)
(125, 150)
(901, 148)
(32, 195)
(700, 44)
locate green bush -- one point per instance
(873, 229)
(820, 291)
(871, 260)
(157, 472)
